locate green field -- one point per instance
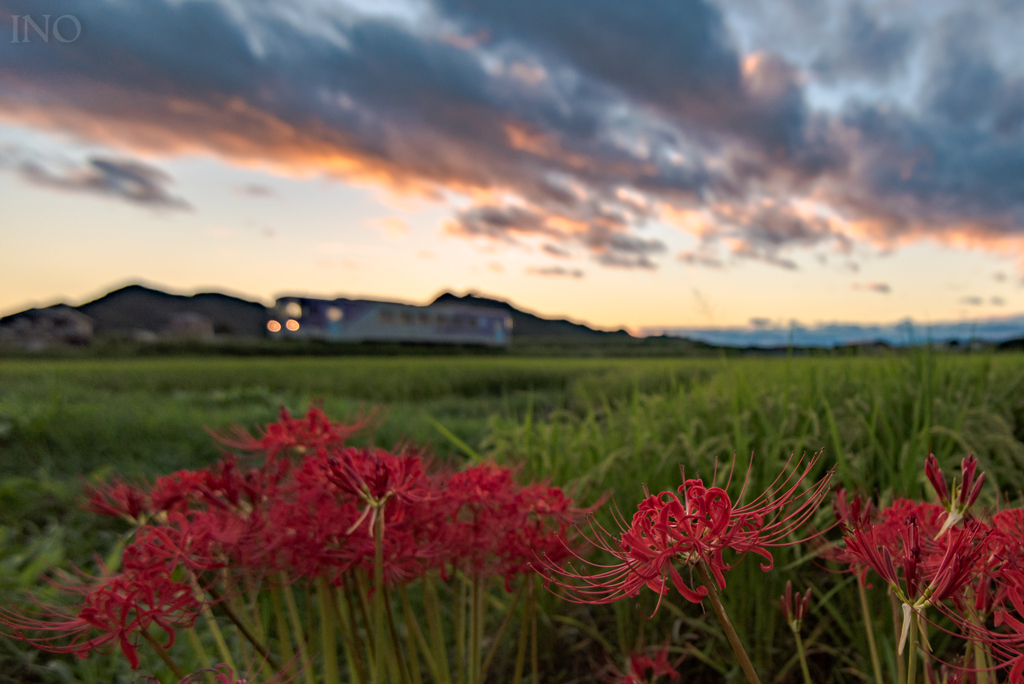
(593, 425)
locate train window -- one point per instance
(423, 318)
(335, 314)
(293, 309)
(386, 316)
(405, 317)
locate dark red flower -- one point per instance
(698, 528)
(643, 669)
(120, 499)
(115, 610)
(313, 433)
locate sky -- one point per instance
(652, 165)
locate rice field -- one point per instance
(596, 427)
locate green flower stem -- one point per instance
(300, 639)
(328, 642)
(164, 655)
(912, 650)
(349, 639)
(197, 647)
(501, 630)
(723, 618)
(380, 635)
(897, 621)
(460, 630)
(524, 633)
(433, 611)
(246, 630)
(211, 623)
(869, 627)
(534, 666)
(416, 639)
(980, 663)
(802, 657)
(283, 633)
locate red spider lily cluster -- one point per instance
(309, 509)
(942, 556)
(693, 527)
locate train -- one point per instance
(361, 320)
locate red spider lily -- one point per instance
(794, 611)
(958, 502)
(313, 433)
(119, 499)
(1007, 646)
(496, 527)
(643, 669)
(374, 476)
(118, 608)
(917, 569)
(696, 529)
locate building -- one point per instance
(358, 320)
(38, 329)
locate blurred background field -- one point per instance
(592, 425)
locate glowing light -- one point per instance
(292, 324)
(293, 309)
(273, 326)
(334, 314)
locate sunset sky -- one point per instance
(634, 163)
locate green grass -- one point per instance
(594, 425)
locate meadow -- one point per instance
(593, 426)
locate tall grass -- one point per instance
(876, 420)
(595, 426)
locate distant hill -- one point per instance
(527, 325)
(135, 308)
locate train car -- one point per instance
(360, 320)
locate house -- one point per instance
(360, 320)
(54, 326)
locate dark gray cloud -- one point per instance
(972, 301)
(568, 122)
(865, 49)
(129, 180)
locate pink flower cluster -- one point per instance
(305, 509)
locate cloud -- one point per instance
(556, 251)
(760, 323)
(256, 190)
(560, 125)
(880, 288)
(700, 259)
(972, 301)
(997, 301)
(555, 271)
(865, 49)
(125, 179)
